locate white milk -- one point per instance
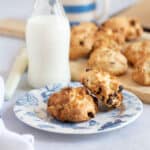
(48, 39)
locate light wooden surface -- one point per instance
(142, 91)
(77, 67)
(13, 28)
(17, 29)
(140, 10)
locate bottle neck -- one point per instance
(48, 7)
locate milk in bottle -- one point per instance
(48, 39)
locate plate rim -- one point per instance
(131, 120)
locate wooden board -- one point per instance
(139, 10)
(77, 67)
(16, 28)
(141, 91)
(12, 28)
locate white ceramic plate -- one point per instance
(31, 109)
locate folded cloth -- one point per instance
(13, 141)
(10, 140)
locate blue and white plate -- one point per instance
(31, 109)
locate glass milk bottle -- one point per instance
(47, 40)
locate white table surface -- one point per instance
(133, 137)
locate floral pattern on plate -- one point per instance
(31, 109)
